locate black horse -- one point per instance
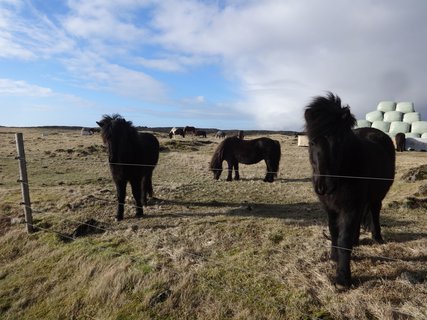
(400, 142)
(200, 133)
(132, 157)
(235, 150)
(352, 173)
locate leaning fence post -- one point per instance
(23, 179)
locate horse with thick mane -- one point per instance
(234, 151)
(132, 157)
(352, 173)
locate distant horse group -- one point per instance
(185, 131)
(352, 169)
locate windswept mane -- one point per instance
(109, 123)
(326, 115)
(218, 156)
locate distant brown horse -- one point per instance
(400, 142)
(188, 129)
(234, 151)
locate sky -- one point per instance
(237, 64)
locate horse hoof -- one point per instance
(342, 285)
(379, 241)
(119, 219)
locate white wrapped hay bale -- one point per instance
(303, 141)
(391, 116)
(411, 117)
(381, 125)
(405, 107)
(386, 106)
(399, 126)
(363, 124)
(419, 127)
(412, 135)
(375, 116)
(424, 135)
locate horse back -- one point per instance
(379, 156)
(149, 148)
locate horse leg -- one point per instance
(236, 170)
(375, 226)
(269, 176)
(230, 170)
(121, 196)
(333, 231)
(147, 187)
(137, 193)
(347, 227)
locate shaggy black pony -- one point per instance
(132, 157)
(235, 150)
(400, 142)
(352, 172)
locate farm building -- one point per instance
(393, 118)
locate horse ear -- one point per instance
(99, 123)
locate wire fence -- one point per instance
(187, 165)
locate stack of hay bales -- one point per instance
(392, 118)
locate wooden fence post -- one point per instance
(23, 179)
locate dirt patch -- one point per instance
(415, 174)
(410, 203)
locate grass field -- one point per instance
(206, 249)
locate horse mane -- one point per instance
(326, 115)
(218, 156)
(108, 123)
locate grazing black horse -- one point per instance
(352, 172)
(200, 133)
(132, 157)
(400, 142)
(235, 150)
(189, 129)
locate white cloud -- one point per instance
(10, 87)
(97, 73)
(283, 53)
(280, 53)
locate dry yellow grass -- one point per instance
(205, 250)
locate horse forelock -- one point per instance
(115, 124)
(326, 115)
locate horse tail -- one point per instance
(217, 157)
(275, 157)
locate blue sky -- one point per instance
(223, 64)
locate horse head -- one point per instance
(325, 154)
